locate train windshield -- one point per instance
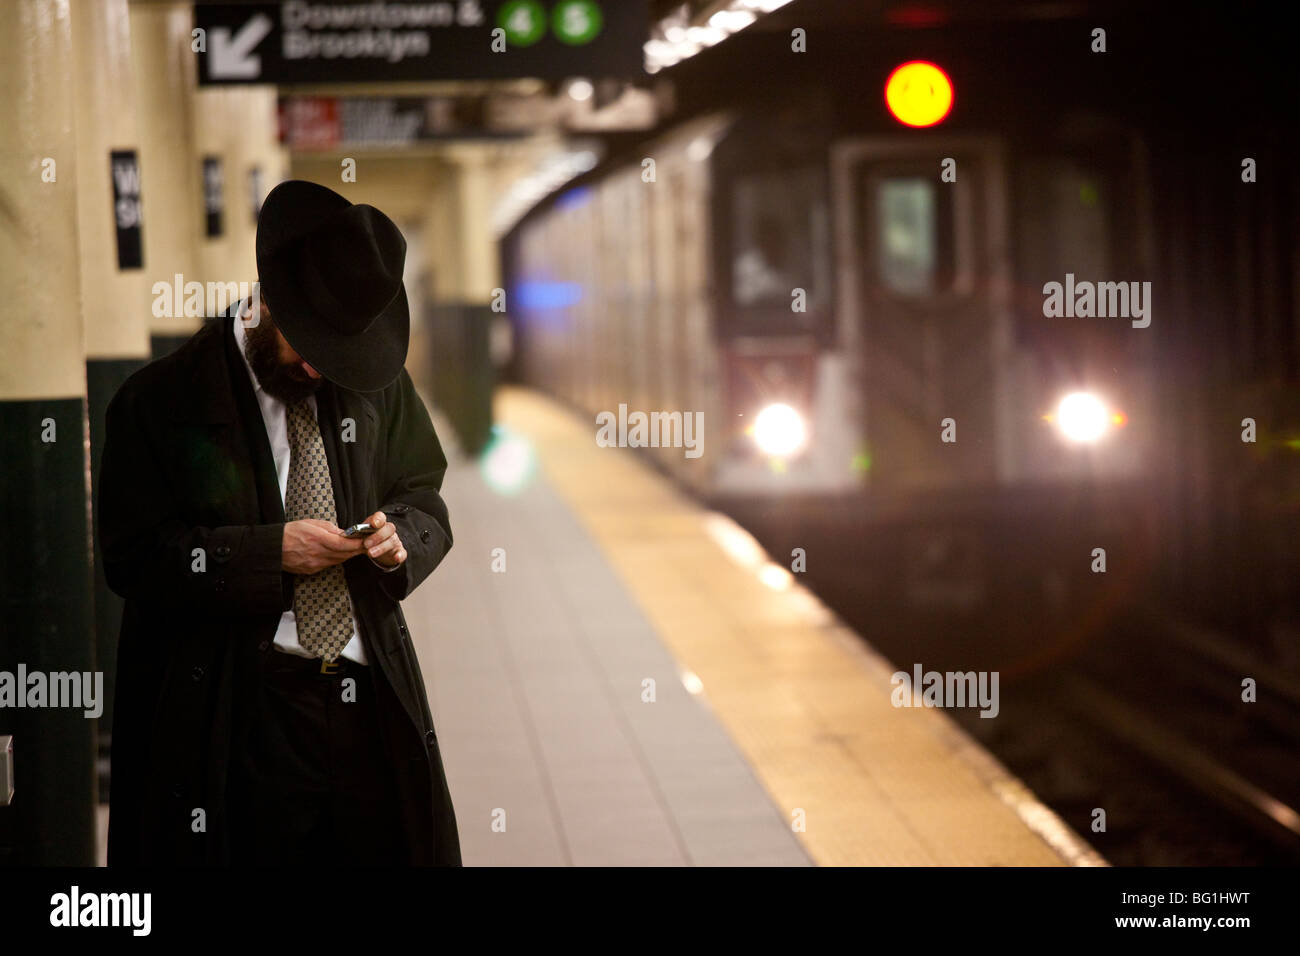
(907, 254)
(914, 235)
(779, 254)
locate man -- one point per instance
(269, 705)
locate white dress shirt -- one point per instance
(277, 430)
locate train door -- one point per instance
(921, 255)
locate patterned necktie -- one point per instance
(320, 601)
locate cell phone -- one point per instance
(359, 531)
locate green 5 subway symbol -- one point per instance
(574, 22)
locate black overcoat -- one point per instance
(190, 525)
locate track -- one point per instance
(1149, 728)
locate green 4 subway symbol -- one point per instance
(576, 21)
(523, 20)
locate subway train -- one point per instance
(828, 306)
(1006, 348)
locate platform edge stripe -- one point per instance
(1009, 788)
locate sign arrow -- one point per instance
(229, 57)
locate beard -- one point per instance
(289, 383)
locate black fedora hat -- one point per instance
(331, 273)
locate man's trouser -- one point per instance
(313, 783)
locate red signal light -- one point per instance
(918, 93)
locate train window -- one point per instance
(913, 236)
(906, 247)
(779, 236)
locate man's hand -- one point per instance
(384, 546)
(311, 545)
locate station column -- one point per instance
(466, 270)
(45, 571)
(165, 76)
(235, 136)
(115, 300)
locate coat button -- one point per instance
(197, 673)
(178, 791)
(424, 535)
(220, 585)
(222, 551)
(263, 645)
(430, 739)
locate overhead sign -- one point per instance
(300, 41)
(330, 122)
(335, 122)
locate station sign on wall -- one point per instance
(124, 173)
(335, 122)
(300, 41)
(214, 201)
(330, 122)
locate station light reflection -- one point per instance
(508, 463)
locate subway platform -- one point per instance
(769, 739)
(634, 685)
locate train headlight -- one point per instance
(779, 430)
(1082, 417)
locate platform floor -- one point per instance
(535, 678)
(785, 749)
